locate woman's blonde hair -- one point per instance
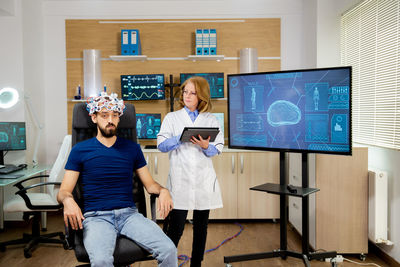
(202, 91)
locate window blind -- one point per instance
(370, 44)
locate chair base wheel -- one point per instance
(2, 248)
(27, 254)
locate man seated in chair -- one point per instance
(105, 164)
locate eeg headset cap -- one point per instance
(109, 102)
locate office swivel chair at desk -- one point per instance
(126, 251)
(32, 204)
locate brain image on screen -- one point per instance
(283, 112)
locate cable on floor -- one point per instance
(186, 258)
(364, 264)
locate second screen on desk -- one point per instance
(148, 125)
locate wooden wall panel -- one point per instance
(166, 40)
(174, 39)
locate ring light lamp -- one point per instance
(8, 97)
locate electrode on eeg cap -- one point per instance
(109, 102)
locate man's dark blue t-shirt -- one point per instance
(106, 172)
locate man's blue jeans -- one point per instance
(101, 228)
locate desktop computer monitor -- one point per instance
(12, 137)
(148, 125)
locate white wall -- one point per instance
(33, 51)
(11, 66)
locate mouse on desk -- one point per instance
(23, 165)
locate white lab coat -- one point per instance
(192, 180)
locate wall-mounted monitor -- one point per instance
(148, 125)
(142, 87)
(12, 137)
(291, 111)
(215, 80)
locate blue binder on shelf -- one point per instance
(125, 47)
(199, 41)
(213, 41)
(206, 42)
(130, 42)
(136, 48)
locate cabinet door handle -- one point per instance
(233, 164)
(295, 206)
(156, 165)
(241, 163)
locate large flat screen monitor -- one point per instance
(148, 125)
(12, 137)
(142, 87)
(292, 111)
(215, 80)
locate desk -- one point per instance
(28, 172)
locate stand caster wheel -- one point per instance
(27, 254)
(363, 257)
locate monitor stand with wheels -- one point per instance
(283, 190)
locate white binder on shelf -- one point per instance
(213, 41)
(199, 42)
(206, 42)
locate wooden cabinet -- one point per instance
(226, 168)
(255, 168)
(339, 211)
(236, 173)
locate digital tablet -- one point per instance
(204, 132)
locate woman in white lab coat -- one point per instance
(192, 180)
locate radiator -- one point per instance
(378, 206)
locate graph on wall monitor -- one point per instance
(142, 87)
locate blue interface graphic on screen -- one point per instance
(299, 110)
(12, 136)
(148, 125)
(142, 87)
(215, 80)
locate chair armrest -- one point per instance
(19, 184)
(153, 206)
(28, 203)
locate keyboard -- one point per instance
(10, 176)
(9, 168)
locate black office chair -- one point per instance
(126, 251)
